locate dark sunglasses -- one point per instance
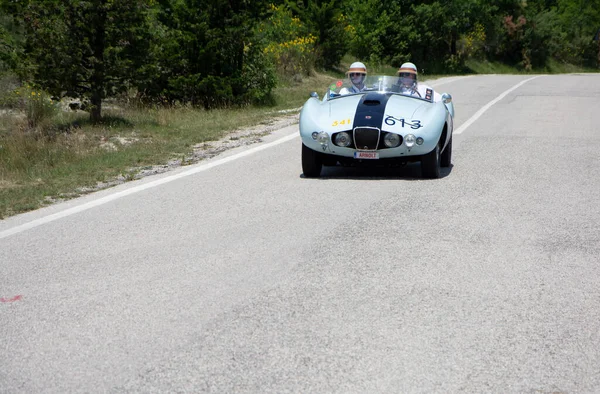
(352, 75)
(406, 75)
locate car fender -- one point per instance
(330, 116)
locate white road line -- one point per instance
(473, 118)
(103, 200)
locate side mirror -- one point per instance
(315, 95)
(446, 98)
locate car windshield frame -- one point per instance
(383, 84)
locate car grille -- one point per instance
(366, 138)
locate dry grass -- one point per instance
(67, 156)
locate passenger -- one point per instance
(357, 74)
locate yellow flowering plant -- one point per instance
(288, 44)
(37, 105)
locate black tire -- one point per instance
(312, 163)
(430, 164)
(328, 161)
(447, 154)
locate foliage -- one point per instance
(369, 24)
(38, 106)
(290, 46)
(211, 58)
(328, 24)
(11, 43)
(89, 49)
(472, 44)
(213, 53)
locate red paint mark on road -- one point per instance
(15, 298)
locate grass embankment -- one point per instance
(63, 158)
(68, 155)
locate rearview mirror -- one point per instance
(446, 98)
(315, 95)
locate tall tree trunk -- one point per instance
(96, 112)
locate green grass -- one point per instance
(552, 67)
(486, 67)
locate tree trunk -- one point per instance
(96, 112)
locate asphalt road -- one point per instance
(239, 275)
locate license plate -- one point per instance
(366, 155)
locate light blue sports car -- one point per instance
(380, 125)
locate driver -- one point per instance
(407, 78)
(357, 74)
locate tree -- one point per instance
(86, 48)
(370, 24)
(11, 43)
(328, 23)
(206, 53)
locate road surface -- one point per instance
(240, 275)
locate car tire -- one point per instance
(430, 164)
(312, 163)
(447, 154)
(328, 161)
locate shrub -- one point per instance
(287, 42)
(8, 83)
(37, 105)
(472, 44)
(292, 57)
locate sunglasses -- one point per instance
(352, 75)
(406, 75)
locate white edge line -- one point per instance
(481, 111)
(139, 188)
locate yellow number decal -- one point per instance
(341, 122)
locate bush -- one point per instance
(293, 57)
(287, 42)
(8, 84)
(37, 105)
(472, 44)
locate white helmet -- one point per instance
(357, 74)
(408, 74)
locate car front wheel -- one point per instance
(312, 163)
(447, 154)
(430, 164)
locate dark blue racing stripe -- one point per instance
(370, 110)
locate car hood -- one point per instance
(388, 112)
(384, 111)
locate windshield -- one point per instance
(375, 83)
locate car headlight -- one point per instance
(420, 140)
(323, 138)
(391, 140)
(342, 139)
(410, 140)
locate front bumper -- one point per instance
(401, 151)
